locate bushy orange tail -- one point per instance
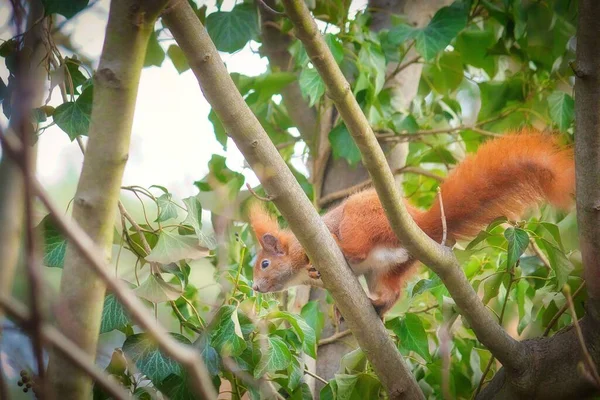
(505, 177)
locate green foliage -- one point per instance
(443, 27)
(342, 144)
(73, 117)
(487, 68)
(230, 31)
(114, 315)
(55, 244)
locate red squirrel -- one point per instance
(503, 178)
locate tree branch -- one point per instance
(440, 259)
(65, 346)
(587, 142)
(289, 198)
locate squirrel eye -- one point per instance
(265, 263)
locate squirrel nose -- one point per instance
(255, 287)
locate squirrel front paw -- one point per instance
(381, 307)
(313, 273)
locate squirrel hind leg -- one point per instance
(386, 287)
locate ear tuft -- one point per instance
(271, 244)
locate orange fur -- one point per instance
(262, 222)
(505, 177)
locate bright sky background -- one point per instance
(172, 138)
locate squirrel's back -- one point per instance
(503, 178)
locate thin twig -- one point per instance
(269, 9)
(402, 67)
(65, 346)
(540, 254)
(444, 224)
(334, 338)
(562, 310)
(261, 198)
(317, 377)
(586, 354)
(340, 194)
(500, 319)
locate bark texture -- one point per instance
(116, 82)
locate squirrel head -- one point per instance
(279, 263)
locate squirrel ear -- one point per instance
(272, 244)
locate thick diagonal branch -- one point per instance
(289, 198)
(440, 259)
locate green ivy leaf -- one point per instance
(142, 349)
(314, 317)
(562, 109)
(518, 240)
(352, 387)
(276, 356)
(194, 219)
(443, 27)
(55, 244)
(353, 362)
(74, 74)
(219, 129)
(302, 393)
(343, 146)
(295, 370)
(155, 55)
(559, 262)
(335, 46)
(555, 232)
(167, 208)
(74, 117)
(67, 9)
(224, 338)
(305, 333)
(446, 75)
(425, 285)
(178, 59)
(156, 290)
(372, 59)
(496, 95)
(209, 355)
(491, 286)
(473, 45)
(411, 333)
(311, 85)
(230, 31)
(113, 315)
(172, 247)
(176, 387)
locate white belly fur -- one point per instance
(382, 259)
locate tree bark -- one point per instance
(116, 82)
(291, 201)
